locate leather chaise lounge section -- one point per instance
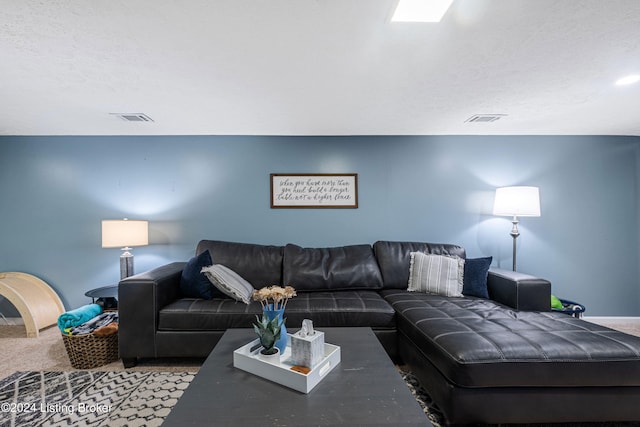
(507, 359)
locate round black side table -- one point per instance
(106, 296)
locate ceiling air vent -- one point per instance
(133, 117)
(484, 118)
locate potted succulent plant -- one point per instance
(269, 333)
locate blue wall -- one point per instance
(54, 191)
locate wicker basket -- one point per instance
(90, 351)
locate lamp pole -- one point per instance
(514, 233)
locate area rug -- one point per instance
(89, 398)
(130, 398)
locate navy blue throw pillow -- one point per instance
(475, 277)
(193, 283)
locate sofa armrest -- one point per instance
(518, 290)
(140, 299)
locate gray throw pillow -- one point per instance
(229, 282)
(436, 274)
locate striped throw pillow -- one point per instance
(229, 282)
(436, 274)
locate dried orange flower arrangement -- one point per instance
(274, 297)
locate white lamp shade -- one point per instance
(420, 10)
(120, 233)
(517, 201)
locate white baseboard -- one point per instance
(604, 320)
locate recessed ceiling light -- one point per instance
(635, 78)
(420, 10)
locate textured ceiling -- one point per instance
(317, 67)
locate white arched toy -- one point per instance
(38, 304)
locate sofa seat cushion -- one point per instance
(326, 309)
(476, 342)
(341, 308)
(217, 314)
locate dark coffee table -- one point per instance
(365, 389)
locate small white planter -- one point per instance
(270, 358)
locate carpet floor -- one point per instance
(47, 353)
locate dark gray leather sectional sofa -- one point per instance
(507, 359)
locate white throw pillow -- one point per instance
(229, 282)
(436, 274)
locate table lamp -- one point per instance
(515, 202)
(124, 233)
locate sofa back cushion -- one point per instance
(340, 268)
(394, 259)
(257, 264)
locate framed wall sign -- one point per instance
(318, 190)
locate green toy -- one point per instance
(555, 302)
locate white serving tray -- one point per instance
(280, 372)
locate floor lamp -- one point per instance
(515, 202)
(124, 233)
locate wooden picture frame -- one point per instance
(314, 190)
